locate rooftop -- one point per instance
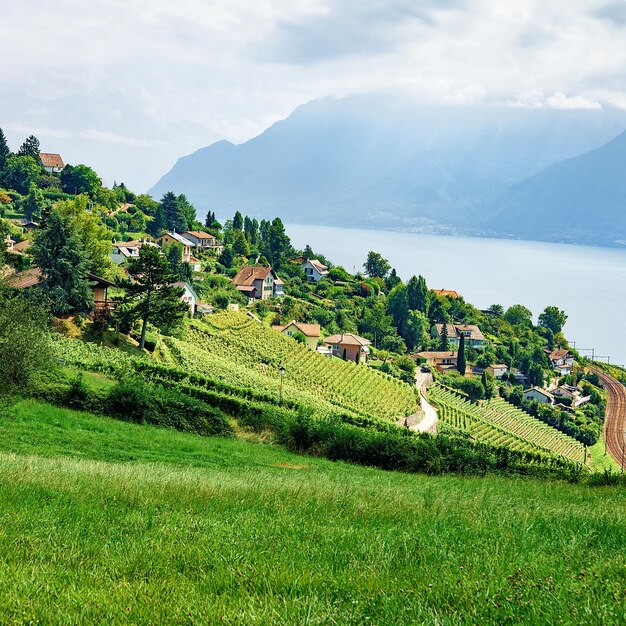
(51, 159)
(347, 339)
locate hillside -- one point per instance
(368, 161)
(582, 199)
(122, 523)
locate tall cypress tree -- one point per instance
(237, 221)
(174, 218)
(444, 344)
(422, 295)
(461, 363)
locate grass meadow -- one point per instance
(113, 523)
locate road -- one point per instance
(428, 424)
(615, 422)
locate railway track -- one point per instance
(615, 422)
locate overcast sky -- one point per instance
(130, 85)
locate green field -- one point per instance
(107, 522)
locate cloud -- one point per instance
(332, 30)
(561, 101)
(25, 129)
(614, 12)
(108, 137)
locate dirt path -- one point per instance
(429, 422)
(615, 422)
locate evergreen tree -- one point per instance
(240, 244)
(308, 252)
(226, 258)
(237, 221)
(254, 240)
(279, 243)
(59, 254)
(444, 344)
(422, 296)
(30, 148)
(209, 219)
(461, 362)
(151, 295)
(174, 219)
(187, 212)
(392, 280)
(4, 149)
(397, 305)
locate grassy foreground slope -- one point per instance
(107, 522)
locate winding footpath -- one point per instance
(615, 422)
(430, 419)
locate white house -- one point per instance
(128, 250)
(498, 370)
(313, 269)
(51, 162)
(189, 296)
(562, 361)
(541, 395)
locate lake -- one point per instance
(588, 283)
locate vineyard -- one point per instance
(499, 423)
(235, 349)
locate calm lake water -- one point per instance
(588, 283)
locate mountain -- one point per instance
(582, 200)
(375, 162)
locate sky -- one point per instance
(128, 86)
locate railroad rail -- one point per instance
(615, 421)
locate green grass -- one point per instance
(112, 523)
(601, 461)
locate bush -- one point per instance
(134, 401)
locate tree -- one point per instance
(553, 318)
(376, 266)
(30, 148)
(393, 343)
(279, 243)
(376, 322)
(240, 244)
(80, 179)
(174, 219)
(151, 296)
(59, 254)
(237, 221)
(496, 309)
(24, 345)
(187, 211)
(397, 305)
(444, 344)
(4, 149)
(518, 315)
(461, 364)
(19, 173)
(95, 237)
(414, 330)
(488, 383)
(535, 375)
(393, 280)
(34, 203)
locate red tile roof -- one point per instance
(248, 274)
(308, 330)
(51, 159)
(25, 279)
(446, 292)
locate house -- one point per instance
(195, 264)
(176, 239)
(202, 308)
(445, 292)
(349, 347)
(26, 224)
(561, 360)
(203, 240)
(498, 370)
(311, 332)
(128, 249)
(258, 283)
(9, 243)
(571, 392)
(314, 270)
(473, 337)
(189, 296)
(51, 162)
(541, 395)
(20, 247)
(100, 286)
(443, 361)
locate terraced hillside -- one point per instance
(237, 350)
(500, 423)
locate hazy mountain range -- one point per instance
(368, 161)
